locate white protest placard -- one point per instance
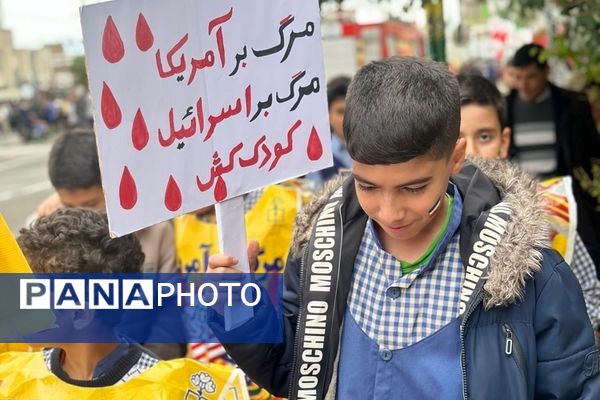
(199, 101)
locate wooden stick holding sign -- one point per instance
(231, 225)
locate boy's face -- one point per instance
(92, 197)
(398, 197)
(336, 116)
(480, 126)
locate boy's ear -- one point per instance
(505, 138)
(458, 155)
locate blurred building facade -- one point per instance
(22, 70)
(348, 44)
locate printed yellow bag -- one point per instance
(270, 221)
(561, 212)
(24, 376)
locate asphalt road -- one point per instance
(23, 179)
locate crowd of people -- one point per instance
(452, 272)
(46, 113)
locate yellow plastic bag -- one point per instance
(561, 212)
(270, 221)
(24, 376)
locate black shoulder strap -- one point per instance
(479, 248)
(319, 276)
(483, 223)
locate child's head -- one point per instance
(75, 172)
(483, 121)
(336, 100)
(402, 108)
(76, 240)
(401, 127)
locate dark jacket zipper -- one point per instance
(463, 354)
(296, 342)
(512, 348)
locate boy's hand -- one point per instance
(224, 264)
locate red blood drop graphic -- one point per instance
(172, 195)
(314, 150)
(143, 34)
(139, 131)
(220, 189)
(112, 45)
(127, 190)
(111, 113)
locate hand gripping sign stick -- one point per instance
(231, 225)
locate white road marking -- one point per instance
(25, 191)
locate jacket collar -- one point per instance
(517, 256)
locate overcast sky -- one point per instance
(38, 22)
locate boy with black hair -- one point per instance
(422, 277)
(483, 125)
(337, 88)
(74, 172)
(483, 122)
(76, 240)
